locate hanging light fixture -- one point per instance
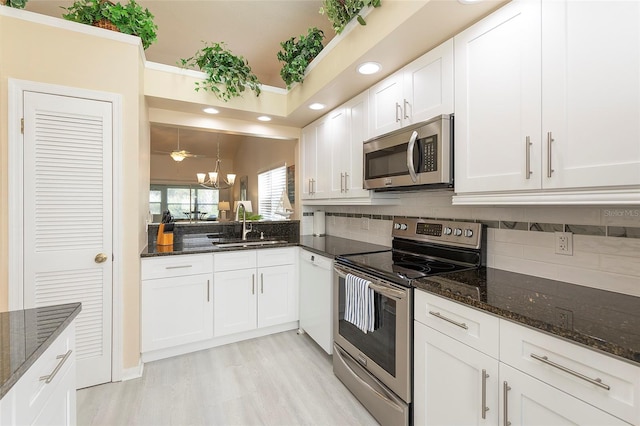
(214, 176)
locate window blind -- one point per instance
(271, 185)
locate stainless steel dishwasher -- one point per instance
(316, 298)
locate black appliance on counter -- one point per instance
(377, 366)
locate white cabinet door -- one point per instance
(322, 184)
(337, 142)
(453, 383)
(234, 301)
(428, 85)
(385, 100)
(497, 101)
(531, 402)
(176, 311)
(277, 295)
(60, 409)
(309, 158)
(591, 93)
(352, 149)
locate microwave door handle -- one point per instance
(410, 148)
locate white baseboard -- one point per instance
(133, 372)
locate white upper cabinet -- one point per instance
(315, 160)
(548, 99)
(418, 92)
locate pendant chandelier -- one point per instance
(215, 176)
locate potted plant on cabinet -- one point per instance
(130, 18)
(18, 4)
(228, 75)
(297, 55)
(341, 12)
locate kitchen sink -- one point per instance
(260, 243)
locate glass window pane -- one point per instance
(155, 196)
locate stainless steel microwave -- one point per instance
(416, 157)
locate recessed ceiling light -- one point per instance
(264, 118)
(316, 106)
(369, 68)
(469, 1)
(211, 110)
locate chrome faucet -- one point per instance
(245, 231)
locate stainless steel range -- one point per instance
(375, 361)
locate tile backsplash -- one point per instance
(606, 240)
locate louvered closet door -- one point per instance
(68, 219)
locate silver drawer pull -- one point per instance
(597, 381)
(459, 324)
(63, 359)
(178, 267)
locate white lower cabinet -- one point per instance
(260, 293)
(178, 308)
(51, 400)
(526, 401)
(454, 383)
(535, 379)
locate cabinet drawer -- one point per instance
(467, 325)
(276, 256)
(579, 371)
(234, 260)
(176, 266)
(32, 390)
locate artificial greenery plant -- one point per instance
(297, 55)
(18, 4)
(341, 12)
(228, 75)
(129, 19)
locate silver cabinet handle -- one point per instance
(346, 187)
(410, 148)
(313, 186)
(261, 283)
(505, 410)
(442, 317)
(597, 381)
(309, 186)
(549, 141)
(49, 378)
(405, 103)
(341, 182)
(398, 116)
(528, 172)
(208, 292)
(485, 376)
(178, 267)
(253, 283)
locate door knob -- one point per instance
(100, 258)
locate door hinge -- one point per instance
(22, 126)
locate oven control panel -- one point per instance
(462, 234)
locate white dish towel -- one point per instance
(359, 308)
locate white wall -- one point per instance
(600, 261)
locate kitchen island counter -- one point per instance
(598, 319)
(26, 334)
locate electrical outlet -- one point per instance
(565, 318)
(364, 224)
(564, 243)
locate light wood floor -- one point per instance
(282, 379)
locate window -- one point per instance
(271, 185)
(184, 202)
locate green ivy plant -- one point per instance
(228, 75)
(18, 4)
(341, 12)
(130, 18)
(297, 55)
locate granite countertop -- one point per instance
(330, 246)
(26, 334)
(206, 247)
(599, 319)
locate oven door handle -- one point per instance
(410, 148)
(384, 290)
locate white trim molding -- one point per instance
(614, 196)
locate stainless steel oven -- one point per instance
(419, 156)
(371, 364)
(376, 363)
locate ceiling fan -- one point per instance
(180, 154)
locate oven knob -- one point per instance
(396, 226)
(447, 230)
(457, 232)
(403, 227)
(468, 233)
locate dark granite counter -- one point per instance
(335, 246)
(26, 334)
(599, 319)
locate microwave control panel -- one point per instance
(429, 146)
